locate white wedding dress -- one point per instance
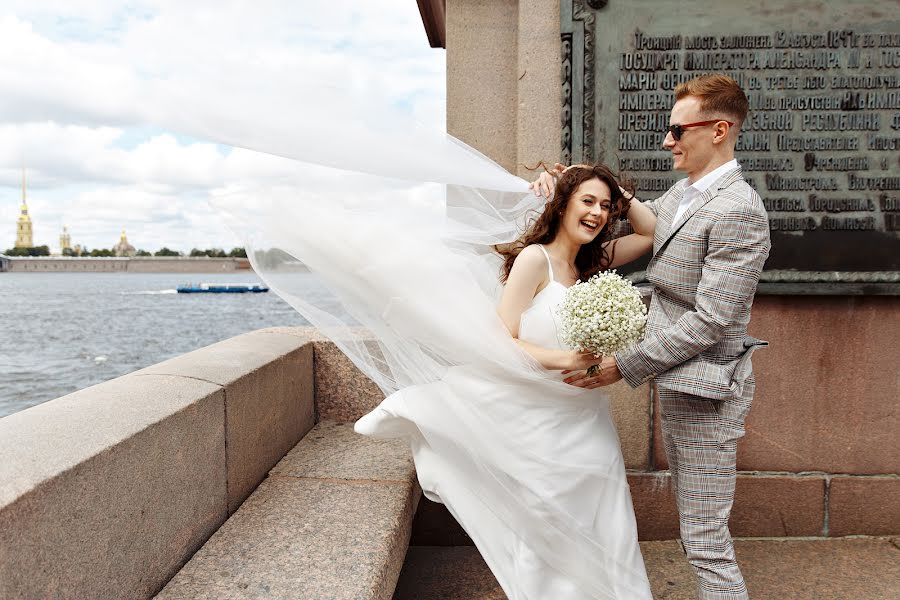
(537, 482)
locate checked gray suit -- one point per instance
(705, 269)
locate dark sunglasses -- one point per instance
(678, 130)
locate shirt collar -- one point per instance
(707, 180)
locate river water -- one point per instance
(61, 332)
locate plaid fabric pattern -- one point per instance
(701, 447)
(705, 269)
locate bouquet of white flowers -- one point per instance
(602, 315)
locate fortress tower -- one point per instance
(24, 236)
(65, 239)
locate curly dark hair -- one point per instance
(592, 257)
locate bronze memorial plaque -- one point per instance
(821, 144)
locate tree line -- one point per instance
(106, 252)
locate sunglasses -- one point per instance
(678, 130)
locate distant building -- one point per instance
(65, 240)
(24, 234)
(123, 248)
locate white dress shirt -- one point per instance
(693, 191)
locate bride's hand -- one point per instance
(628, 195)
(546, 183)
(582, 361)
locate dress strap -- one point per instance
(549, 264)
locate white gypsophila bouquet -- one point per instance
(602, 315)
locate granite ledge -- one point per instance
(333, 519)
(333, 451)
(302, 538)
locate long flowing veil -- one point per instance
(385, 226)
(380, 223)
(400, 240)
(409, 260)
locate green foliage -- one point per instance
(105, 252)
(34, 251)
(211, 252)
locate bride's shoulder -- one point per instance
(532, 254)
(531, 260)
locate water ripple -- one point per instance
(61, 332)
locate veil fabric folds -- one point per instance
(394, 257)
(389, 228)
(412, 264)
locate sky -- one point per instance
(77, 106)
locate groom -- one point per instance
(712, 238)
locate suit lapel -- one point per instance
(667, 210)
(698, 203)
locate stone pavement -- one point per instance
(775, 569)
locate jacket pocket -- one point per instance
(711, 380)
(743, 367)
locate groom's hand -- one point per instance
(609, 373)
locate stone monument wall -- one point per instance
(820, 447)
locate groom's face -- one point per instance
(695, 148)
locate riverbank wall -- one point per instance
(107, 492)
(137, 264)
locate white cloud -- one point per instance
(77, 83)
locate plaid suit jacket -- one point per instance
(704, 270)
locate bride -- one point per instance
(532, 468)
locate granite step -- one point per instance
(331, 520)
(786, 569)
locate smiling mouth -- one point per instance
(590, 225)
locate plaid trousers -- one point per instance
(700, 437)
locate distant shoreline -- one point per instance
(137, 264)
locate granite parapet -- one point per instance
(106, 492)
(267, 378)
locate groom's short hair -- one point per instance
(720, 95)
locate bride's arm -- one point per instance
(630, 247)
(641, 217)
(529, 271)
(559, 360)
(625, 249)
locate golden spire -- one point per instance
(24, 237)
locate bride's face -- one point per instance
(587, 211)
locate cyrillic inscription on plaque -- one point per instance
(821, 144)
